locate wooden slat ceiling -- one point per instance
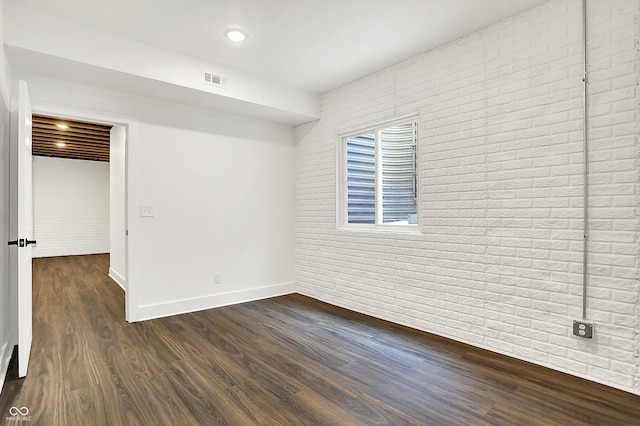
(82, 140)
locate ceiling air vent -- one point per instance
(214, 79)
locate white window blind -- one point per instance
(381, 176)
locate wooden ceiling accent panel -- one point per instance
(82, 140)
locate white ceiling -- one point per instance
(310, 45)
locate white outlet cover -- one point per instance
(146, 211)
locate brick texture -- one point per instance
(498, 262)
(71, 207)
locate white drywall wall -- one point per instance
(221, 187)
(7, 325)
(117, 205)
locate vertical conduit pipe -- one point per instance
(585, 159)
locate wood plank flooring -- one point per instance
(289, 360)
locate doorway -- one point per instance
(103, 160)
(71, 186)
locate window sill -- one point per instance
(389, 229)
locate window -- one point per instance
(379, 177)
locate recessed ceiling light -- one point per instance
(61, 144)
(62, 126)
(236, 35)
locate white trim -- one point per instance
(341, 178)
(373, 125)
(118, 279)
(377, 164)
(214, 301)
(385, 228)
(132, 258)
(342, 173)
(5, 358)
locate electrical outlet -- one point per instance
(583, 329)
(217, 278)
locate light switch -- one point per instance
(146, 211)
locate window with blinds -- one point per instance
(361, 179)
(380, 176)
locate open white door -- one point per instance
(24, 227)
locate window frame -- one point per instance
(342, 173)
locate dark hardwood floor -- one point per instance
(289, 360)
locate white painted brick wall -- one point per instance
(71, 206)
(498, 263)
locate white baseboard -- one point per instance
(5, 357)
(118, 279)
(213, 301)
